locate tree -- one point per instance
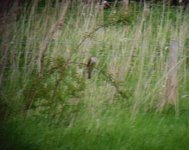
(126, 4)
(9, 10)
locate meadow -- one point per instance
(47, 102)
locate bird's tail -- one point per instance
(89, 73)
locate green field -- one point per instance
(47, 102)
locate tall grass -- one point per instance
(44, 73)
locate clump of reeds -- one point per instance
(43, 50)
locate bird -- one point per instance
(106, 4)
(90, 66)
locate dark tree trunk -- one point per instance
(175, 2)
(6, 5)
(9, 9)
(185, 3)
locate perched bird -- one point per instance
(106, 4)
(90, 66)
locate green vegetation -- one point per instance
(48, 103)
